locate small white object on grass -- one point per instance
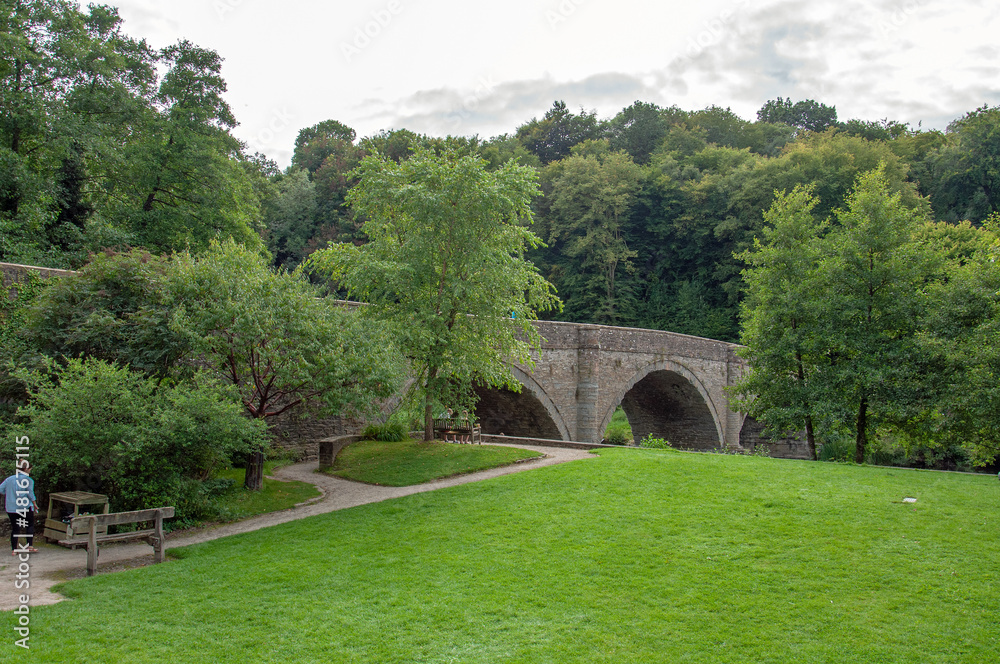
(909, 500)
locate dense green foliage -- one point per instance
(639, 556)
(97, 149)
(15, 310)
(108, 143)
(875, 322)
(98, 427)
(445, 268)
(619, 432)
(642, 214)
(268, 334)
(389, 432)
(115, 309)
(407, 462)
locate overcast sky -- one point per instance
(464, 67)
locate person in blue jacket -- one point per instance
(20, 486)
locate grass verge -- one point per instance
(636, 556)
(414, 462)
(237, 503)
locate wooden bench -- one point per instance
(92, 524)
(458, 427)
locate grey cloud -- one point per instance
(493, 108)
(837, 54)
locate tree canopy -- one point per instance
(861, 325)
(281, 345)
(444, 266)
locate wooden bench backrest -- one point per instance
(82, 523)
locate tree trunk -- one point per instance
(428, 413)
(255, 471)
(428, 420)
(861, 442)
(811, 438)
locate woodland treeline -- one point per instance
(106, 142)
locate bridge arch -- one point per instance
(531, 414)
(667, 399)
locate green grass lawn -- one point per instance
(238, 503)
(414, 462)
(635, 556)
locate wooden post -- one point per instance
(158, 547)
(92, 548)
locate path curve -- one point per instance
(54, 564)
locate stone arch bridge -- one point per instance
(670, 385)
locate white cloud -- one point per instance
(908, 60)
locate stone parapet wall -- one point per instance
(301, 434)
(13, 274)
(329, 448)
(789, 447)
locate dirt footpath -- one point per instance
(54, 564)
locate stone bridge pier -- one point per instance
(670, 385)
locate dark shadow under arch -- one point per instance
(665, 404)
(502, 411)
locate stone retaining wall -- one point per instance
(13, 274)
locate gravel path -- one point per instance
(54, 564)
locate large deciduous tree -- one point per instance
(966, 169)
(72, 89)
(552, 137)
(853, 300)
(590, 205)
(188, 183)
(781, 317)
(808, 114)
(445, 267)
(273, 337)
(874, 272)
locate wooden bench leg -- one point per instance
(158, 547)
(92, 548)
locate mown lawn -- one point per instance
(239, 503)
(636, 556)
(412, 462)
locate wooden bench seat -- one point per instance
(92, 524)
(116, 537)
(458, 427)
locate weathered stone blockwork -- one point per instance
(670, 385)
(790, 447)
(300, 433)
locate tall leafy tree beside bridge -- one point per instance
(445, 267)
(832, 323)
(781, 313)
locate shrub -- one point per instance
(617, 435)
(837, 449)
(98, 427)
(650, 442)
(390, 432)
(112, 309)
